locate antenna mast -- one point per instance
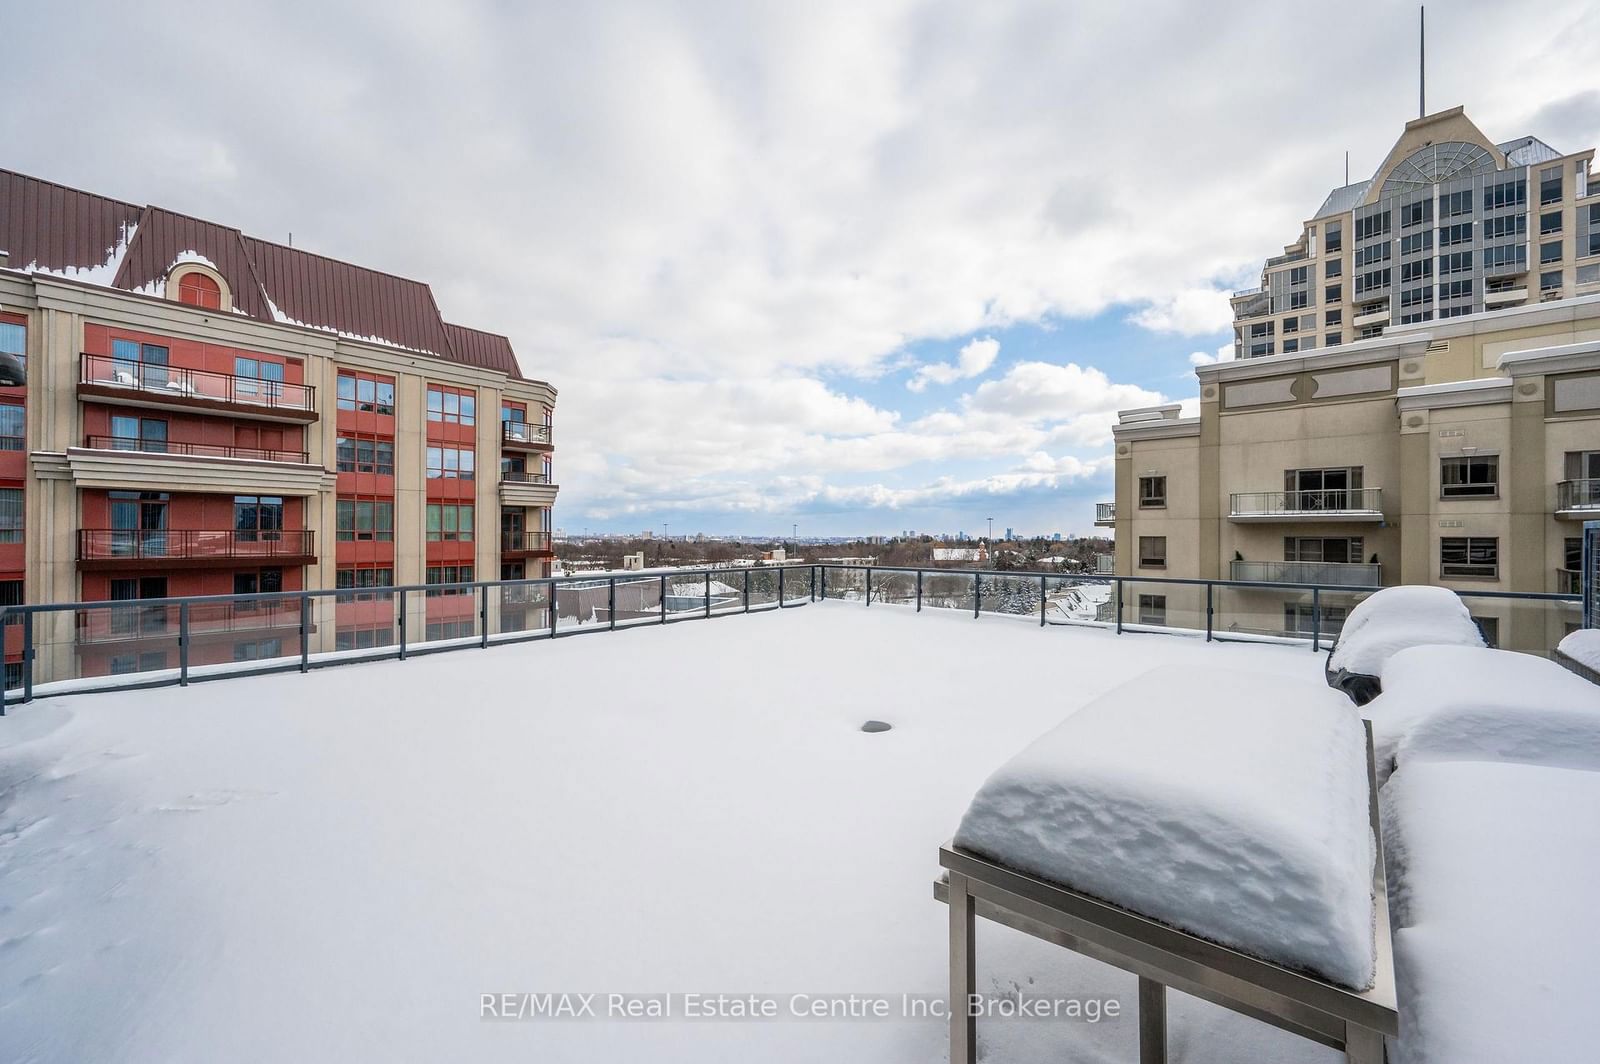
(1422, 62)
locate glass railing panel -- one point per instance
(894, 588)
(948, 589)
(1079, 600)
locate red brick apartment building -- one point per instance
(207, 412)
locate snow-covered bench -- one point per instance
(1389, 621)
(1580, 653)
(1208, 830)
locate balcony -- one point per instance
(1496, 296)
(1578, 500)
(120, 382)
(1105, 564)
(1371, 317)
(1325, 504)
(189, 548)
(519, 488)
(524, 435)
(202, 450)
(1569, 582)
(1251, 304)
(1105, 514)
(1327, 574)
(525, 544)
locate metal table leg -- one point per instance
(963, 973)
(1152, 1022)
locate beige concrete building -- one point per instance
(1462, 452)
(1451, 224)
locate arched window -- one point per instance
(198, 290)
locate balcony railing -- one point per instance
(1323, 503)
(116, 544)
(1569, 582)
(522, 476)
(204, 450)
(524, 432)
(178, 382)
(1578, 495)
(524, 541)
(1327, 574)
(134, 620)
(1105, 564)
(1105, 513)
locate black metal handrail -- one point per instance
(204, 450)
(110, 544)
(181, 382)
(515, 541)
(522, 476)
(672, 590)
(524, 432)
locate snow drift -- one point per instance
(1229, 804)
(1395, 618)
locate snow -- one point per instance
(1454, 701)
(1499, 866)
(1398, 617)
(1583, 646)
(102, 273)
(335, 866)
(1229, 804)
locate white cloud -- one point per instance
(974, 359)
(1191, 311)
(1224, 354)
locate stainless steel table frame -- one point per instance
(1163, 956)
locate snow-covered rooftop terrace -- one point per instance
(338, 866)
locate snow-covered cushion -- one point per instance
(1583, 646)
(1229, 804)
(1492, 704)
(1395, 618)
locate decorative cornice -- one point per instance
(1165, 429)
(1481, 392)
(144, 471)
(1361, 352)
(1540, 361)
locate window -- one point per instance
(1300, 618)
(1373, 253)
(1297, 300)
(1456, 290)
(1590, 273)
(362, 577)
(1489, 628)
(14, 341)
(150, 661)
(449, 574)
(451, 463)
(1291, 325)
(198, 290)
(1460, 233)
(251, 370)
(366, 454)
(1550, 252)
(1416, 242)
(1550, 185)
(1548, 281)
(1372, 281)
(1333, 340)
(1152, 493)
(1153, 552)
(1513, 257)
(141, 364)
(1262, 350)
(1455, 262)
(1372, 225)
(1291, 346)
(1549, 223)
(449, 522)
(260, 581)
(363, 638)
(257, 518)
(1333, 317)
(1504, 226)
(1571, 560)
(369, 394)
(451, 406)
(1594, 242)
(1261, 328)
(10, 515)
(1412, 297)
(1415, 271)
(1297, 275)
(1416, 213)
(1333, 234)
(11, 427)
(364, 520)
(130, 433)
(1505, 194)
(1152, 609)
(1333, 268)
(1469, 476)
(1333, 293)
(1453, 204)
(1473, 557)
(258, 649)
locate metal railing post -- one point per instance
(1209, 588)
(919, 590)
(305, 633)
(747, 591)
(663, 598)
(1041, 601)
(483, 616)
(1119, 605)
(811, 581)
(824, 595)
(611, 601)
(402, 624)
(869, 585)
(27, 656)
(1316, 620)
(708, 592)
(781, 596)
(977, 594)
(553, 614)
(183, 644)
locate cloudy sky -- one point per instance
(860, 266)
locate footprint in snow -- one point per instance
(200, 801)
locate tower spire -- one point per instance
(1422, 61)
